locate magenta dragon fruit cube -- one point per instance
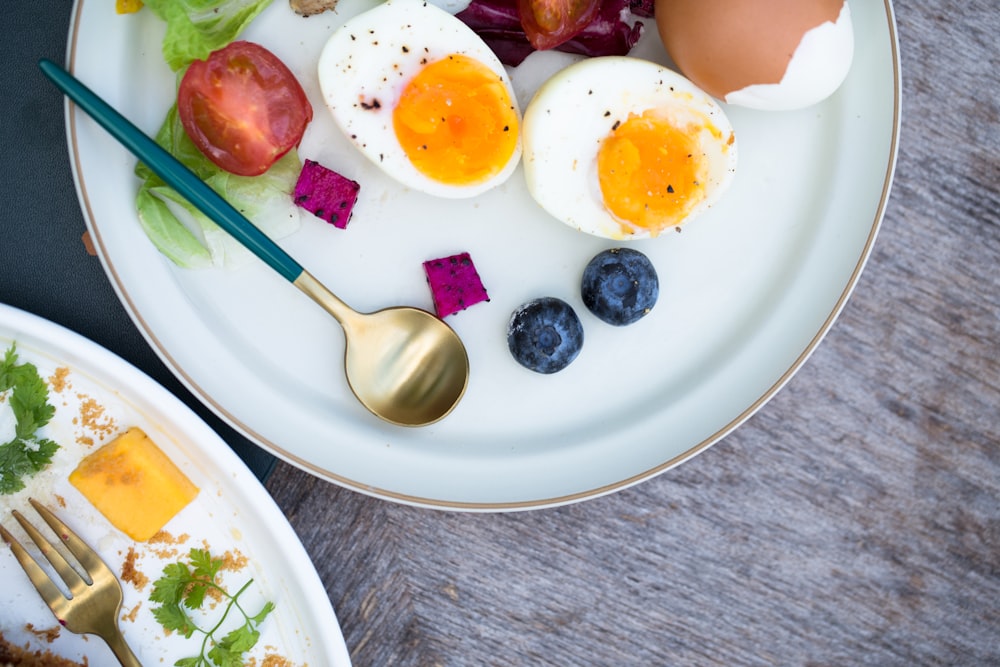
(326, 194)
(455, 284)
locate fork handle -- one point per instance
(116, 642)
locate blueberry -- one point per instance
(545, 335)
(620, 286)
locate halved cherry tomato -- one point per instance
(549, 23)
(243, 108)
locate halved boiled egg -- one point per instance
(624, 148)
(423, 97)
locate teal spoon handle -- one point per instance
(173, 172)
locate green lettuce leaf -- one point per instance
(189, 238)
(168, 233)
(195, 28)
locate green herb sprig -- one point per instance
(26, 454)
(183, 587)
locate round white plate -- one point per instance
(747, 293)
(97, 395)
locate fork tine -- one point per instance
(94, 607)
(88, 558)
(53, 597)
(69, 575)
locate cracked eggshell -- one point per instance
(767, 54)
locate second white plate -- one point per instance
(97, 395)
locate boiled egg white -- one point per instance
(423, 97)
(624, 148)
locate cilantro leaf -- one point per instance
(173, 618)
(184, 586)
(14, 464)
(29, 401)
(205, 567)
(43, 454)
(169, 589)
(262, 614)
(230, 649)
(28, 397)
(194, 596)
(7, 368)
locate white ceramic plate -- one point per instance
(232, 512)
(747, 291)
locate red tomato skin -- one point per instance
(549, 23)
(243, 108)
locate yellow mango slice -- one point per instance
(127, 6)
(133, 484)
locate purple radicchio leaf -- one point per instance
(613, 32)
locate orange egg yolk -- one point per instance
(456, 122)
(650, 172)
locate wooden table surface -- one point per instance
(854, 520)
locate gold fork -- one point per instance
(93, 606)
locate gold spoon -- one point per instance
(404, 364)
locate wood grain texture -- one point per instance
(855, 520)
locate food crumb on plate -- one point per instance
(94, 418)
(233, 561)
(48, 634)
(130, 616)
(131, 573)
(274, 660)
(59, 380)
(23, 655)
(172, 544)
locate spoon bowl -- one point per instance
(405, 365)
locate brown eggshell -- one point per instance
(727, 45)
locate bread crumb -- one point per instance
(234, 561)
(16, 655)
(130, 573)
(170, 551)
(270, 660)
(94, 418)
(49, 634)
(164, 537)
(130, 617)
(59, 380)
